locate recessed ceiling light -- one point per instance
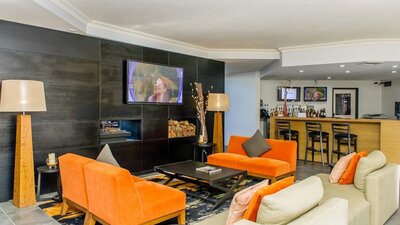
(347, 71)
(301, 71)
(341, 66)
(328, 78)
(394, 71)
(73, 30)
(395, 66)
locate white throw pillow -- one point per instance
(374, 161)
(106, 156)
(288, 204)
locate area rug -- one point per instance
(199, 201)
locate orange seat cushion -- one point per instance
(348, 175)
(252, 209)
(265, 166)
(159, 200)
(229, 160)
(137, 179)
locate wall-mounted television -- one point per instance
(315, 94)
(292, 93)
(152, 83)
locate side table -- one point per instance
(46, 170)
(205, 150)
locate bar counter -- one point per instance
(372, 135)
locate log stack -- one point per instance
(181, 129)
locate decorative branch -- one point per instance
(197, 95)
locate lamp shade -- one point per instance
(22, 96)
(218, 102)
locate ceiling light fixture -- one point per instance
(394, 71)
(347, 71)
(301, 71)
(328, 78)
(395, 66)
(341, 66)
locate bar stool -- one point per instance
(287, 133)
(342, 136)
(314, 131)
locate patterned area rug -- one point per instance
(199, 201)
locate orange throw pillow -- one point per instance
(252, 209)
(348, 175)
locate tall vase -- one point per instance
(285, 112)
(203, 137)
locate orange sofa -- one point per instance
(112, 196)
(278, 162)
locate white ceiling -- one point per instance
(247, 35)
(255, 24)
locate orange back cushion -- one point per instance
(112, 194)
(348, 175)
(235, 145)
(252, 210)
(73, 178)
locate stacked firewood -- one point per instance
(181, 128)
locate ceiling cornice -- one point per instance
(72, 15)
(338, 44)
(67, 12)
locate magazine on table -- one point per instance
(209, 170)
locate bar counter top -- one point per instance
(373, 134)
(330, 119)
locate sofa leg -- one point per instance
(89, 220)
(273, 180)
(64, 207)
(182, 217)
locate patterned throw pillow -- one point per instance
(106, 156)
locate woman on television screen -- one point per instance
(161, 91)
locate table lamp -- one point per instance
(218, 102)
(23, 96)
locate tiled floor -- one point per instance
(11, 215)
(33, 215)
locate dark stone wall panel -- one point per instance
(154, 129)
(113, 53)
(6, 175)
(65, 134)
(112, 106)
(152, 55)
(47, 68)
(34, 39)
(188, 63)
(213, 67)
(157, 148)
(181, 149)
(128, 155)
(7, 136)
(155, 112)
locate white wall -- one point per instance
(243, 118)
(389, 96)
(370, 94)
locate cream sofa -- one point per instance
(377, 204)
(303, 207)
(374, 207)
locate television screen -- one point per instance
(292, 94)
(314, 94)
(151, 83)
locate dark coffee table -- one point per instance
(186, 171)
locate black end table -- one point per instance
(47, 170)
(205, 150)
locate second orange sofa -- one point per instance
(278, 162)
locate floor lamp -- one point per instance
(23, 96)
(218, 102)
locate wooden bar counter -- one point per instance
(372, 134)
